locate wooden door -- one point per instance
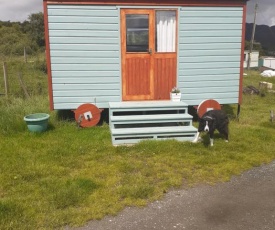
(148, 66)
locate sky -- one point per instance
(19, 10)
(265, 12)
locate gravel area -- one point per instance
(245, 202)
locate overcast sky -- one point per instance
(265, 12)
(19, 10)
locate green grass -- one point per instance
(67, 175)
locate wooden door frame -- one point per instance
(152, 28)
(160, 55)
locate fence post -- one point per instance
(23, 85)
(25, 55)
(6, 79)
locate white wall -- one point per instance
(85, 55)
(254, 59)
(210, 40)
(269, 62)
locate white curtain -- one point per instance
(166, 31)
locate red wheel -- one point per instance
(87, 115)
(207, 105)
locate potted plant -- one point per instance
(175, 94)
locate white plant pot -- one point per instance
(175, 96)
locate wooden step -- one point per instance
(152, 130)
(131, 122)
(151, 118)
(135, 135)
(147, 104)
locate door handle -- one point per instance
(150, 51)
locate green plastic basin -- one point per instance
(37, 122)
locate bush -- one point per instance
(13, 41)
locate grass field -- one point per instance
(67, 175)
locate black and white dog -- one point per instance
(212, 120)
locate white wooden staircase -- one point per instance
(131, 122)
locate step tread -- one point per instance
(147, 104)
(153, 130)
(155, 117)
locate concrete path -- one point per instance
(247, 202)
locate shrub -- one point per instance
(13, 41)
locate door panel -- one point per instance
(165, 75)
(138, 77)
(149, 63)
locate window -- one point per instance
(165, 31)
(137, 27)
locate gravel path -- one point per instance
(247, 202)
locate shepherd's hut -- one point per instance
(127, 56)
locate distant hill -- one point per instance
(263, 34)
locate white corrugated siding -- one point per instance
(84, 45)
(85, 54)
(210, 53)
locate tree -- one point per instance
(15, 36)
(256, 46)
(35, 28)
(13, 41)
